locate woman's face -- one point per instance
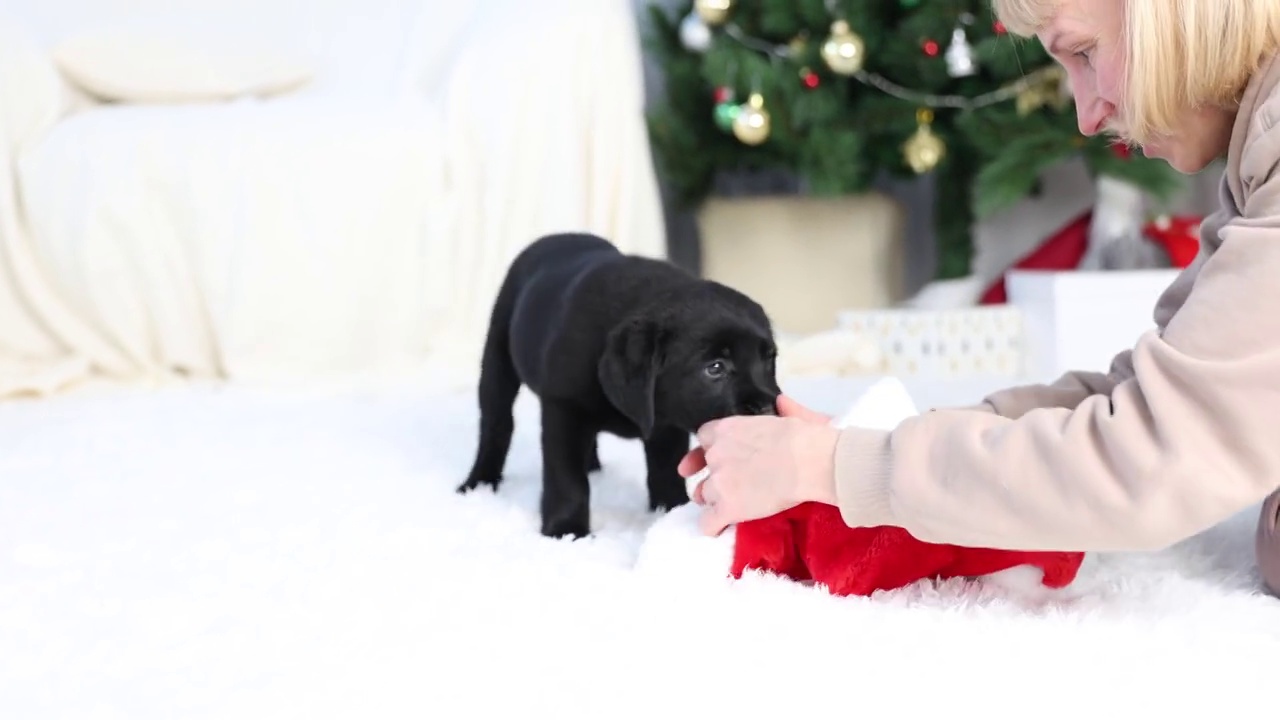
(1085, 37)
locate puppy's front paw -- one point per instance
(667, 497)
(474, 482)
(570, 527)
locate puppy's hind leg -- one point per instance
(662, 453)
(499, 385)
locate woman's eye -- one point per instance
(716, 368)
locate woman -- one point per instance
(1184, 430)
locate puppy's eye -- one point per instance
(716, 368)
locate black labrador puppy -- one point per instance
(614, 343)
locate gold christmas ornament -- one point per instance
(1049, 88)
(1029, 100)
(923, 150)
(751, 126)
(713, 12)
(798, 43)
(844, 52)
(1057, 87)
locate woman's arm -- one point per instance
(1188, 434)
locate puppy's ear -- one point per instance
(628, 370)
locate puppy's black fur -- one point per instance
(614, 343)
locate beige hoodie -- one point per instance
(1183, 432)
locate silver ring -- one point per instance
(692, 482)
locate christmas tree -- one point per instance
(836, 91)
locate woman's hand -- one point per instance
(761, 465)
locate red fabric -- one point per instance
(811, 542)
(1062, 251)
(1179, 236)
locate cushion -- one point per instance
(168, 62)
(257, 240)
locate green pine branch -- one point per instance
(838, 136)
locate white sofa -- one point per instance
(357, 225)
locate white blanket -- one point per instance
(38, 327)
(340, 231)
(223, 553)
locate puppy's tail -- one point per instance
(497, 367)
(499, 384)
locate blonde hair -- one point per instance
(1179, 54)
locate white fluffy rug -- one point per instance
(238, 553)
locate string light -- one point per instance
(1003, 94)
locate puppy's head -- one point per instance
(690, 359)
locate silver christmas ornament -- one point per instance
(695, 35)
(960, 59)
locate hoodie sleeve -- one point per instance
(1176, 438)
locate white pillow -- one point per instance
(159, 62)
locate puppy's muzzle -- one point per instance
(762, 406)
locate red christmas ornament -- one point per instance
(723, 94)
(999, 28)
(931, 48)
(810, 78)
(1178, 235)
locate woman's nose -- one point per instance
(1092, 114)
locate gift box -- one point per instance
(971, 341)
(1079, 320)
